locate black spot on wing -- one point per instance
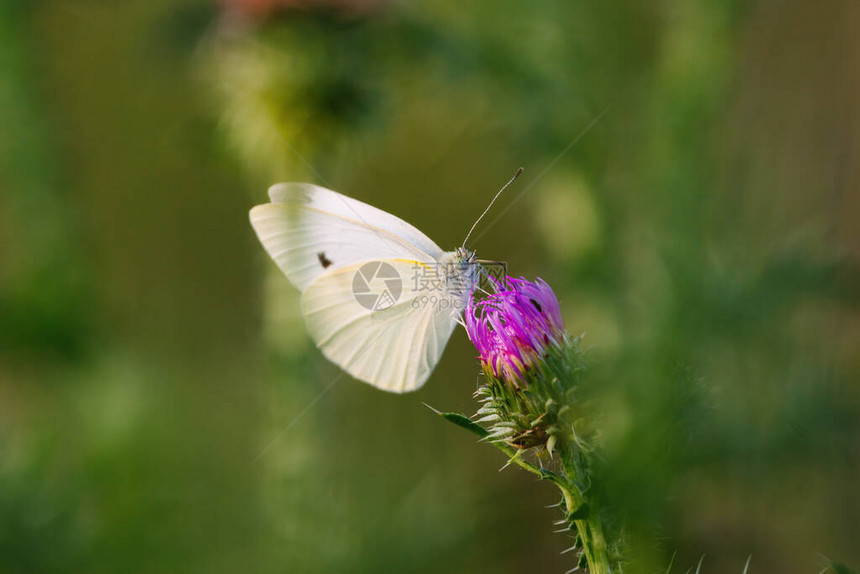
(324, 261)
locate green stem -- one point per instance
(573, 485)
(594, 544)
(584, 512)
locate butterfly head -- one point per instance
(461, 272)
(465, 256)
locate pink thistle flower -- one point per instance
(515, 326)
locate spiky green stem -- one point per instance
(581, 512)
(541, 413)
(582, 515)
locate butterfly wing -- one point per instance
(323, 241)
(309, 230)
(394, 336)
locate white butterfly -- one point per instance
(379, 298)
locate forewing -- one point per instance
(309, 230)
(394, 348)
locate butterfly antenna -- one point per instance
(516, 175)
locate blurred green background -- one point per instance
(704, 233)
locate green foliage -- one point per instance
(702, 235)
(44, 290)
(466, 423)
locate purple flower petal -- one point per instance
(513, 327)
